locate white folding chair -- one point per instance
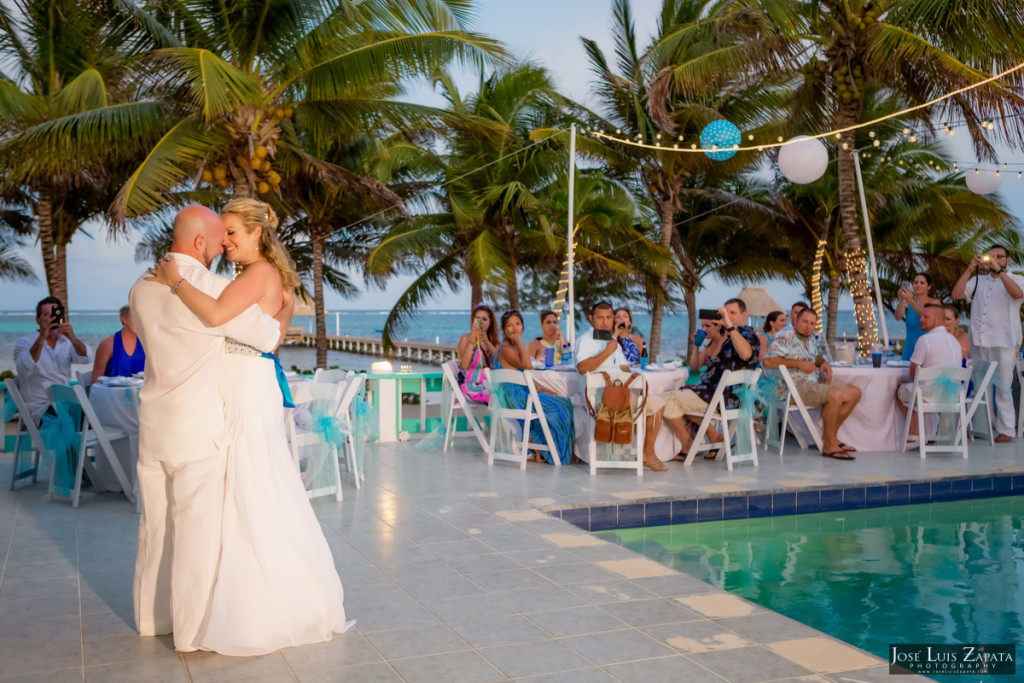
(474, 412)
(718, 413)
(84, 378)
(332, 376)
(789, 402)
(982, 374)
(93, 435)
(345, 409)
(924, 400)
(595, 383)
(26, 429)
(532, 410)
(300, 437)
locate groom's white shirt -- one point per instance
(181, 417)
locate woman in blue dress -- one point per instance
(120, 354)
(512, 355)
(912, 303)
(632, 344)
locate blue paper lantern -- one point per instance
(723, 134)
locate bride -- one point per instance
(276, 584)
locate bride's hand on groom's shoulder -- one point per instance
(165, 271)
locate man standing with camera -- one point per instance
(45, 357)
(995, 295)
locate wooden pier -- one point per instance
(422, 352)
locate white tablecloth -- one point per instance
(567, 383)
(115, 410)
(875, 424)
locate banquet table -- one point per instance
(116, 408)
(875, 424)
(567, 382)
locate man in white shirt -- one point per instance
(995, 295)
(45, 357)
(183, 435)
(937, 348)
(595, 355)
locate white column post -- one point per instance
(570, 325)
(871, 249)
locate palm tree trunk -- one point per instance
(513, 282)
(833, 307)
(318, 298)
(476, 292)
(44, 214)
(60, 285)
(666, 215)
(690, 299)
(853, 262)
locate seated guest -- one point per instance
(120, 354)
(45, 357)
(936, 348)
(632, 344)
(775, 321)
(736, 311)
(912, 303)
(513, 355)
(483, 336)
(951, 320)
(795, 311)
(593, 355)
(729, 347)
(798, 350)
(550, 339)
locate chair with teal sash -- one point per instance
(71, 445)
(28, 442)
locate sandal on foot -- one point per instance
(848, 449)
(656, 465)
(838, 455)
(711, 455)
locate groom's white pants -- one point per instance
(179, 546)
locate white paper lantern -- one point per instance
(982, 179)
(804, 161)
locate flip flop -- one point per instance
(838, 455)
(657, 465)
(848, 449)
(711, 455)
(680, 457)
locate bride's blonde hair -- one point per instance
(256, 213)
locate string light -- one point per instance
(816, 303)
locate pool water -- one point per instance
(936, 573)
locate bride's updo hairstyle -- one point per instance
(256, 213)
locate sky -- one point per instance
(101, 271)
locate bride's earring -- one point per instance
(255, 246)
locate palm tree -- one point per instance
(913, 50)
(66, 59)
(639, 99)
(15, 226)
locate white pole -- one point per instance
(871, 249)
(337, 324)
(570, 325)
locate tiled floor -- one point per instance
(453, 574)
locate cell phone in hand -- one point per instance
(602, 335)
(57, 316)
(907, 286)
(709, 314)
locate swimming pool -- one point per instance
(936, 573)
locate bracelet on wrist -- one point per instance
(177, 286)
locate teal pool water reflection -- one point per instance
(936, 573)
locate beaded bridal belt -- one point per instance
(239, 349)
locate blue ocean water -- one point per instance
(441, 326)
(943, 573)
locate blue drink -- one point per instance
(876, 360)
(549, 357)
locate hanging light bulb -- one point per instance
(913, 138)
(871, 133)
(906, 131)
(876, 143)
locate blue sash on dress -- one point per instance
(282, 381)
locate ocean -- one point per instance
(440, 326)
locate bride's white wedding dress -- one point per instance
(276, 584)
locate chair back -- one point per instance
(332, 376)
(26, 426)
(926, 378)
(84, 378)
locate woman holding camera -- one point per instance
(550, 339)
(913, 299)
(482, 335)
(632, 344)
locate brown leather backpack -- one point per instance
(614, 417)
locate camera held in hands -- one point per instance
(709, 314)
(56, 316)
(603, 335)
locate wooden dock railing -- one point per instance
(423, 352)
